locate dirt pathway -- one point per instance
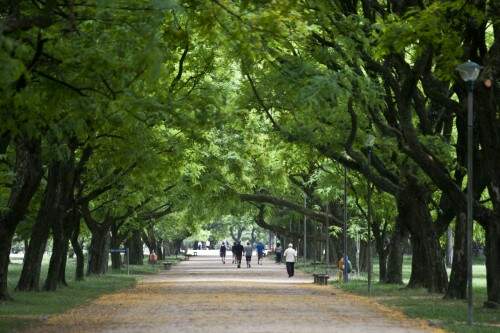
(202, 295)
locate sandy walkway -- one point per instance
(202, 295)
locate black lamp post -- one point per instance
(469, 71)
(370, 141)
(344, 228)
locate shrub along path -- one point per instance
(203, 295)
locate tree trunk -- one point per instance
(457, 287)
(28, 172)
(99, 250)
(116, 242)
(72, 221)
(159, 246)
(6, 235)
(62, 271)
(30, 274)
(363, 256)
(80, 259)
(395, 256)
(56, 259)
(134, 243)
(62, 204)
(382, 248)
(449, 247)
(382, 270)
(492, 252)
(428, 269)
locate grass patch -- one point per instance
(31, 307)
(418, 303)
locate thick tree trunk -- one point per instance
(30, 274)
(382, 270)
(80, 259)
(63, 204)
(71, 223)
(382, 249)
(62, 271)
(428, 269)
(449, 247)
(56, 259)
(28, 172)
(395, 257)
(116, 257)
(159, 246)
(458, 278)
(492, 252)
(6, 235)
(134, 243)
(99, 251)
(363, 257)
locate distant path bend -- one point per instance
(203, 295)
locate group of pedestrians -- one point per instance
(238, 250)
(289, 255)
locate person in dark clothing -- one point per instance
(279, 251)
(232, 251)
(238, 252)
(223, 253)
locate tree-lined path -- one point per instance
(202, 295)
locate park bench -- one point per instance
(167, 265)
(321, 279)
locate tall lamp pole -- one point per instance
(344, 228)
(370, 140)
(327, 245)
(305, 230)
(469, 71)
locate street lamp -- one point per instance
(305, 230)
(344, 228)
(370, 141)
(469, 71)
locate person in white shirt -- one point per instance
(248, 253)
(290, 256)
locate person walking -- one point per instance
(222, 252)
(290, 258)
(238, 252)
(248, 253)
(260, 252)
(278, 250)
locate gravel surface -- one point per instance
(203, 295)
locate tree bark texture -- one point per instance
(395, 255)
(77, 247)
(428, 269)
(458, 278)
(99, 250)
(28, 173)
(135, 250)
(492, 252)
(59, 224)
(51, 212)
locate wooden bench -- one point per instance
(321, 279)
(167, 265)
